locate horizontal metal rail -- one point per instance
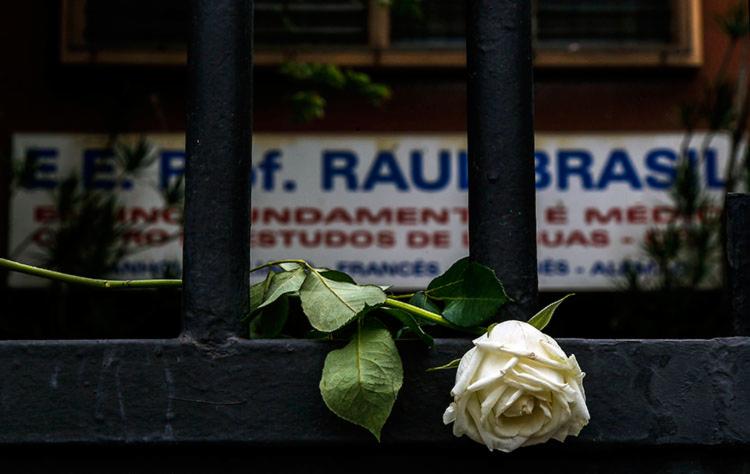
(265, 393)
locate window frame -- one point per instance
(687, 51)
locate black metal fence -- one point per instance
(660, 405)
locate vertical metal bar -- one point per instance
(217, 196)
(738, 264)
(502, 222)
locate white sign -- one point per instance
(383, 208)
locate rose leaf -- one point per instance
(331, 304)
(280, 284)
(541, 319)
(420, 300)
(471, 292)
(360, 381)
(270, 321)
(410, 323)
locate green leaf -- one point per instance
(258, 291)
(331, 304)
(420, 300)
(472, 293)
(271, 320)
(541, 319)
(410, 323)
(282, 283)
(360, 382)
(336, 275)
(450, 365)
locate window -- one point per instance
(368, 33)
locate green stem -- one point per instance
(402, 297)
(79, 280)
(430, 316)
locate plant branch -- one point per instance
(430, 316)
(93, 282)
(402, 297)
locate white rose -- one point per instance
(516, 388)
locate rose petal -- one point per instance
(491, 400)
(508, 398)
(516, 387)
(490, 379)
(524, 354)
(450, 414)
(466, 368)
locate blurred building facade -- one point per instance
(112, 67)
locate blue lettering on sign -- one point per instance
(541, 170)
(43, 163)
(619, 169)
(269, 167)
(661, 161)
(381, 269)
(341, 170)
(712, 179)
(417, 171)
(340, 167)
(341, 163)
(172, 167)
(98, 169)
(574, 163)
(463, 171)
(385, 170)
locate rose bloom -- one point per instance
(516, 388)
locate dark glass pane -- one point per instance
(162, 24)
(434, 21)
(128, 24)
(335, 22)
(601, 22)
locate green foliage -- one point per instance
(133, 159)
(361, 381)
(541, 319)
(86, 235)
(471, 291)
(314, 81)
(411, 325)
(270, 322)
(420, 300)
(689, 250)
(331, 304)
(280, 284)
(411, 9)
(308, 106)
(733, 22)
(22, 173)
